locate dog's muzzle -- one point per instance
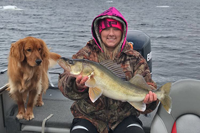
(38, 61)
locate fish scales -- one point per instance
(108, 82)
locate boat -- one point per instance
(55, 116)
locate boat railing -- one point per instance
(50, 81)
(49, 72)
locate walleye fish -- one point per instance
(103, 81)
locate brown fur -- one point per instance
(27, 78)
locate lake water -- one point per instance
(173, 26)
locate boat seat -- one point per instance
(185, 113)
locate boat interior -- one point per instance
(55, 116)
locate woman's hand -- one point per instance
(80, 82)
(150, 97)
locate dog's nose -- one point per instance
(38, 61)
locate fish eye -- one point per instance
(70, 62)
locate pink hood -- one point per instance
(113, 13)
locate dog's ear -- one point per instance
(17, 50)
(45, 50)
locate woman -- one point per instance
(109, 31)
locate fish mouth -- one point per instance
(63, 62)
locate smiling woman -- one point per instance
(109, 43)
(111, 34)
(111, 37)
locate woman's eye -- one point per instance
(106, 29)
(116, 28)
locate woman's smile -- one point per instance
(111, 37)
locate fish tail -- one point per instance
(166, 99)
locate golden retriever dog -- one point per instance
(29, 60)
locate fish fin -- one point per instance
(139, 81)
(166, 99)
(87, 70)
(139, 106)
(114, 68)
(94, 93)
(91, 81)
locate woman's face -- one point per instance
(111, 37)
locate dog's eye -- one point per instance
(29, 50)
(70, 62)
(39, 49)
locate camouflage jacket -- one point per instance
(105, 111)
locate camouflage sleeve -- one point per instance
(67, 86)
(141, 67)
(67, 83)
